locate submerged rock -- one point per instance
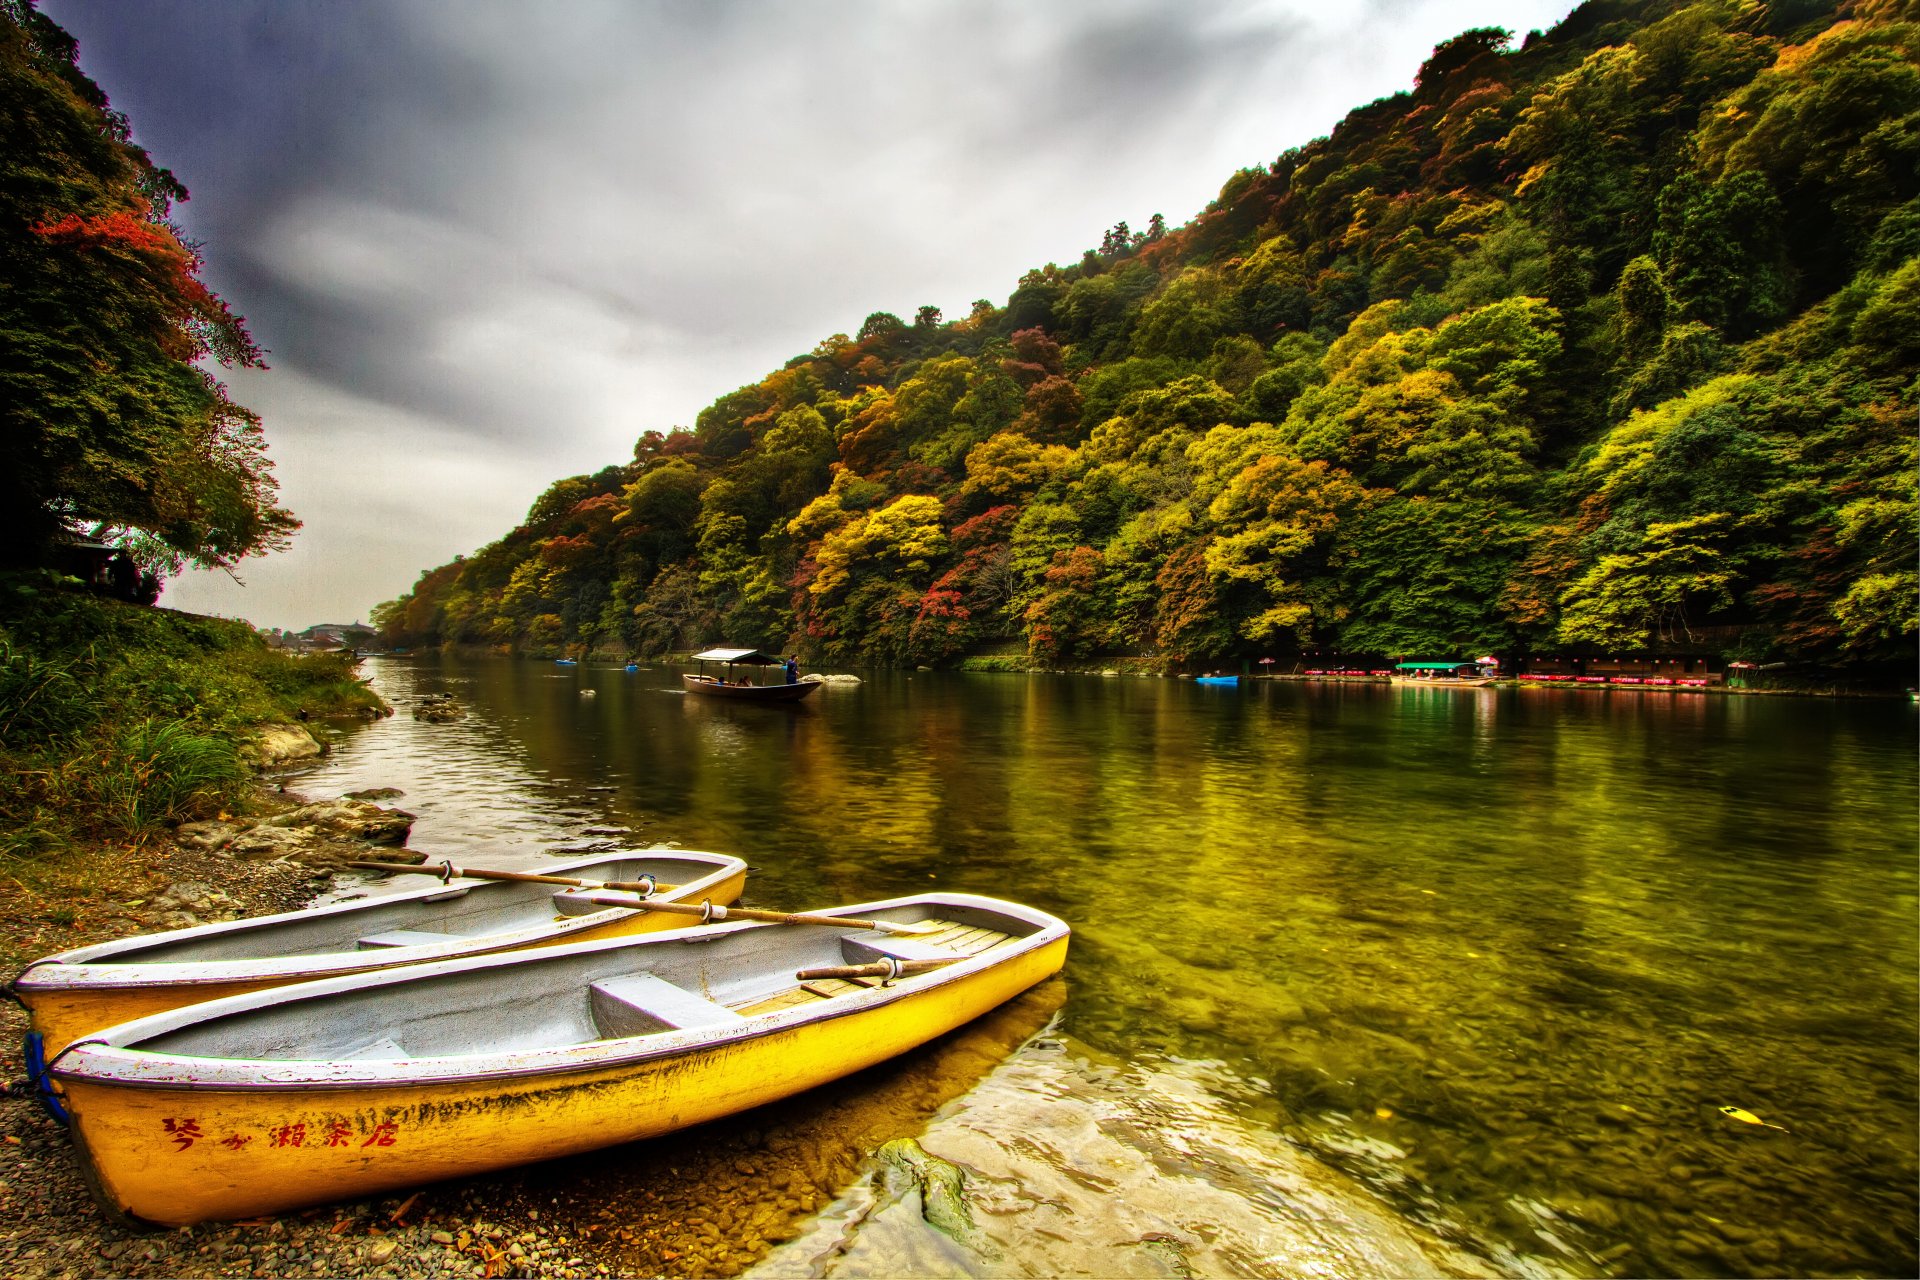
(1075, 1166)
(941, 1186)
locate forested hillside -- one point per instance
(1602, 343)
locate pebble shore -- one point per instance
(50, 1228)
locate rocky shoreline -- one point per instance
(278, 859)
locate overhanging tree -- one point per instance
(109, 416)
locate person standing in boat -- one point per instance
(792, 666)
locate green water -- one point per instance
(1500, 955)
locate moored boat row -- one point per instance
(266, 1065)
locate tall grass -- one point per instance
(117, 719)
(162, 770)
(40, 698)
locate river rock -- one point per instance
(439, 711)
(349, 820)
(942, 1186)
(190, 895)
(271, 745)
(375, 793)
(266, 843)
(1082, 1169)
(208, 835)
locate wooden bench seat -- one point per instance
(643, 1004)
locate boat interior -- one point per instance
(465, 909)
(547, 999)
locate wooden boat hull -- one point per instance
(173, 1140)
(708, 687)
(75, 992)
(1475, 683)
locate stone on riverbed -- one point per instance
(942, 1187)
(1078, 1168)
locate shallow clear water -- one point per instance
(1499, 955)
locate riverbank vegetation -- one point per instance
(117, 720)
(1602, 342)
(116, 440)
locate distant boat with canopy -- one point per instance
(1452, 675)
(736, 678)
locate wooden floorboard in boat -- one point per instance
(964, 939)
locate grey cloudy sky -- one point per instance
(488, 243)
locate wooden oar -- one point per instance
(447, 871)
(712, 911)
(879, 969)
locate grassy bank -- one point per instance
(117, 721)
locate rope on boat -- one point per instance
(40, 1074)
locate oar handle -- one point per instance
(878, 969)
(447, 871)
(713, 911)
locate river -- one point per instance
(1365, 978)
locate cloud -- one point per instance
(384, 494)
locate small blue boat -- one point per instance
(1216, 679)
(565, 662)
(632, 667)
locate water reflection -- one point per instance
(1502, 955)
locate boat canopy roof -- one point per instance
(746, 657)
(1429, 666)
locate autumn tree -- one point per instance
(109, 416)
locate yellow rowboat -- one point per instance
(357, 1085)
(78, 991)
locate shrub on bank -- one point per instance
(116, 719)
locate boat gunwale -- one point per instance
(91, 968)
(104, 1059)
(777, 691)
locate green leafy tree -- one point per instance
(1430, 576)
(1277, 521)
(1724, 251)
(1650, 596)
